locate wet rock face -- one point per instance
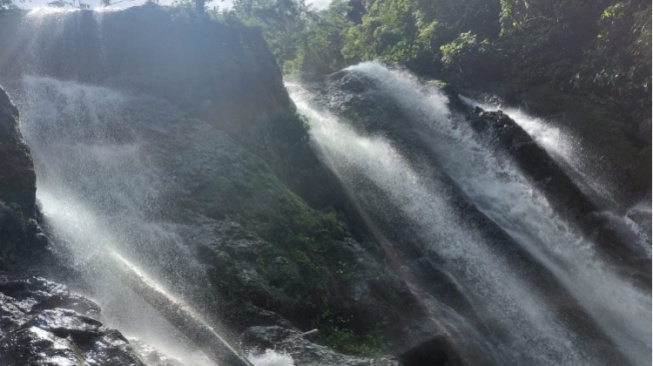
(215, 71)
(42, 323)
(507, 137)
(258, 290)
(303, 352)
(20, 234)
(17, 177)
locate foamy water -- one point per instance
(271, 358)
(536, 333)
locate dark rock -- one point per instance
(220, 72)
(257, 340)
(251, 284)
(17, 177)
(22, 242)
(371, 110)
(507, 137)
(612, 145)
(350, 82)
(42, 323)
(435, 351)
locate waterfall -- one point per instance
(563, 146)
(102, 188)
(130, 190)
(521, 321)
(586, 167)
(125, 180)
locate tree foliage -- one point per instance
(600, 48)
(619, 57)
(320, 50)
(466, 56)
(411, 32)
(597, 47)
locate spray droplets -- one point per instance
(271, 358)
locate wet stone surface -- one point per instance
(42, 323)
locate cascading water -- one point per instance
(585, 167)
(130, 174)
(126, 182)
(522, 322)
(100, 186)
(562, 145)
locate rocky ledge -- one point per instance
(505, 136)
(42, 323)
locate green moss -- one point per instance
(347, 341)
(303, 259)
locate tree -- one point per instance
(410, 32)
(319, 52)
(283, 22)
(388, 31)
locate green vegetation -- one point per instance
(345, 340)
(598, 49)
(305, 260)
(584, 52)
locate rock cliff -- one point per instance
(248, 199)
(17, 178)
(20, 233)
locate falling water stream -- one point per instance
(110, 165)
(529, 328)
(562, 145)
(568, 149)
(100, 187)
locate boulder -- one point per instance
(21, 237)
(42, 323)
(434, 351)
(17, 177)
(506, 137)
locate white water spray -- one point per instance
(271, 358)
(106, 172)
(486, 276)
(497, 189)
(562, 145)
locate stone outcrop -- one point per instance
(42, 323)
(17, 177)
(209, 105)
(21, 237)
(507, 137)
(220, 72)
